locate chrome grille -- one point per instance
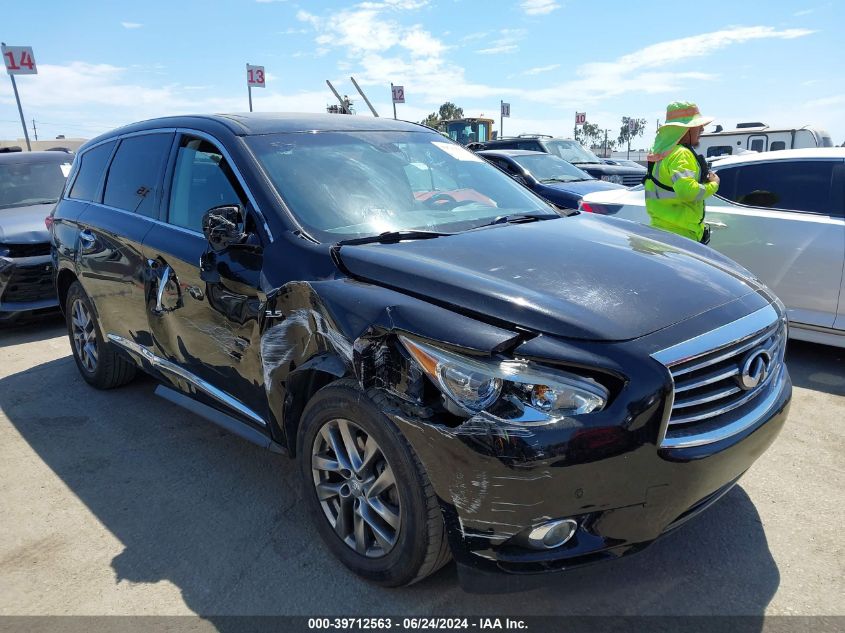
(721, 377)
(630, 180)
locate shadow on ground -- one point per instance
(817, 367)
(31, 329)
(222, 520)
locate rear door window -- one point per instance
(777, 145)
(791, 185)
(91, 169)
(134, 177)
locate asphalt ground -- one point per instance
(121, 503)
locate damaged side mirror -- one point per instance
(221, 227)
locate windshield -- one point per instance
(548, 168)
(25, 184)
(465, 132)
(572, 151)
(342, 185)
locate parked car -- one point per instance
(548, 176)
(458, 368)
(625, 163)
(30, 184)
(782, 216)
(570, 151)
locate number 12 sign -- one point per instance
(255, 76)
(19, 60)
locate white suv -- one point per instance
(782, 216)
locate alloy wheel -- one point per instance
(356, 488)
(84, 335)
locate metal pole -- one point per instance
(391, 98)
(249, 91)
(34, 130)
(364, 97)
(605, 144)
(20, 111)
(501, 118)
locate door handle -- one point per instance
(87, 238)
(162, 282)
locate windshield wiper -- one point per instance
(391, 237)
(517, 218)
(559, 180)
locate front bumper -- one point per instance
(26, 283)
(493, 482)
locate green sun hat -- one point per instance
(680, 116)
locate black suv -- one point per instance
(458, 368)
(570, 151)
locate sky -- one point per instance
(102, 65)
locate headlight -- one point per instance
(615, 179)
(476, 385)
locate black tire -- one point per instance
(110, 369)
(420, 547)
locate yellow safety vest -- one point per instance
(680, 210)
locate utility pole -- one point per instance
(605, 143)
(34, 130)
(501, 118)
(392, 99)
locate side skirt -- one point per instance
(227, 422)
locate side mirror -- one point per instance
(220, 226)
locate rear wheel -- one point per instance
(99, 363)
(367, 491)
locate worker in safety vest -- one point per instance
(678, 179)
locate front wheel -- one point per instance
(367, 491)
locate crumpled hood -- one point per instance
(578, 277)
(24, 225)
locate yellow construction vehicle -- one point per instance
(468, 130)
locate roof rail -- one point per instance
(535, 135)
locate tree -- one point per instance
(447, 112)
(591, 135)
(431, 120)
(588, 134)
(629, 132)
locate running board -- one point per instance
(227, 422)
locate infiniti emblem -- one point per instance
(754, 369)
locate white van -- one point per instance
(759, 137)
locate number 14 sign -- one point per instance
(19, 60)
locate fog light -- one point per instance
(552, 534)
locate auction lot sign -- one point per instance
(19, 60)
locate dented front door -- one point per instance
(205, 321)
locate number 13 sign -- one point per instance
(255, 76)
(19, 60)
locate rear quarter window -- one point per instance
(91, 169)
